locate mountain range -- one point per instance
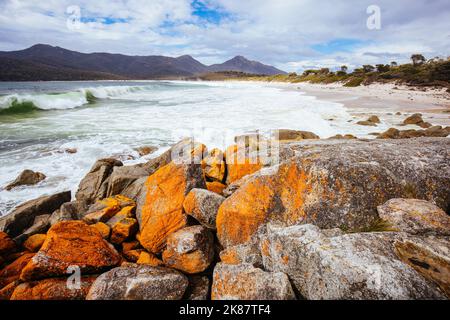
(45, 62)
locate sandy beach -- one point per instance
(385, 100)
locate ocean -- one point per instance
(40, 120)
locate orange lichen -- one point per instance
(34, 242)
(12, 272)
(123, 230)
(150, 259)
(7, 245)
(214, 165)
(103, 229)
(215, 187)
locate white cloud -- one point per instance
(282, 33)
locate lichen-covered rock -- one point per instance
(436, 131)
(189, 249)
(242, 254)
(414, 119)
(336, 183)
(71, 243)
(245, 282)
(139, 282)
(52, 289)
(12, 272)
(40, 225)
(7, 291)
(214, 165)
(73, 210)
(415, 216)
(351, 266)
(94, 185)
(22, 216)
(198, 288)
(124, 230)
(203, 206)
(430, 256)
(26, 177)
(294, 135)
(105, 209)
(7, 245)
(35, 242)
(160, 208)
(240, 162)
(149, 259)
(103, 229)
(215, 187)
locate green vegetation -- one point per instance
(434, 72)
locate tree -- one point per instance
(344, 69)
(368, 68)
(394, 64)
(417, 59)
(383, 68)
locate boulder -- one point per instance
(106, 209)
(146, 150)
(245, 282)
(160, 208)
(40, 225)
(430, 256)
(7, 245)
(374, 119)
(341, 137)
(71, 243)
(336, 184)
(7, 291)
(124, 230)
(366, 123)
(415, 216)
(95, 184)
(324, 266)
(149, 259)
(241, 162)
(249, 253)
(189, 250)
(214, 165)
(26, 178)
(293, 135)
(12, 272)
(203, 206)
(103, 229)
(393, 133)
(414, 119)
(139, 282)
(215, 187)
(22, 216)
(198, 288)
(52, 289)
(35, 242)
(73, 210)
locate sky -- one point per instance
(292, 35)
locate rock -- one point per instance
(293, 135)
(12, 272)
(35, 242)
(146, 150)
(203, 206)
(198, 288)
(71, 243)
(341, 137)
(95, 184)
(40, 225)
(7, 291)
(149, 259)
(103, 229)
(391, 133)
(366, 123)
(133, 255)
(429, 256)
(374, 119)
(130, 245)
(357, 266)
(52, 289)
(214, 165)
(124, 230)
(139, 282)
(104, 210)
(425, 125)
(7, 245)
(245, 282)
(241, 163)
(242, 254)
(124, 178)
(71, 150)
(26, 178)
(125, 212)
(336, 184)
(189, 250)
(215, 187)
(437, 131)
(160, 208)
(414, 119)
(22, 216)
(73, 210)
(415, 216)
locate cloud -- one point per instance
(291, 34)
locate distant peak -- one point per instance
(186, 56)
(242, 58)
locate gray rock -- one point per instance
(139, 282)
(245, 282)
(74, 210)
(94, 185)
(40, 225)
(203, 206)
(430, 256)
(351, 266)
(22, 216)
(198, 288)
(286, 134)
(415, 216)
(26, 177)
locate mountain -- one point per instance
(54, 62)
(241, 64)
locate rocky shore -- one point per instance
(303, 218)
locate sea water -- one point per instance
(40, 120)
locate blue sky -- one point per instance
(290, 34)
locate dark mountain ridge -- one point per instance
(49, 63)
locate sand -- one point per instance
(385, 100)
